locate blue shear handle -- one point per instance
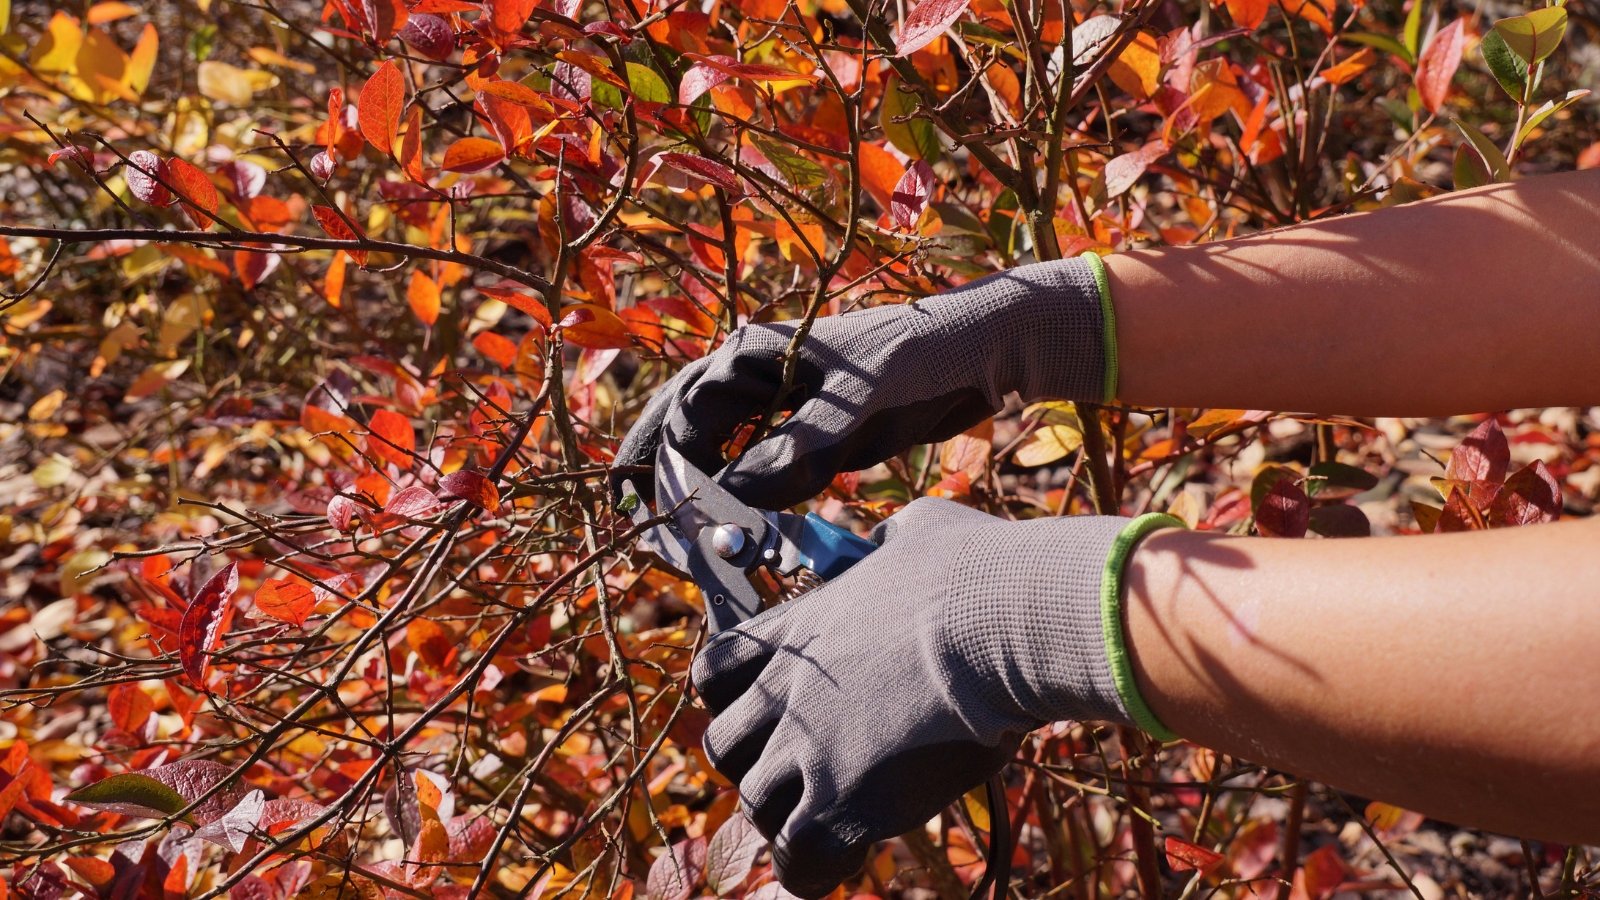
(829, 550)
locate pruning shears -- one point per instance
(719, 542)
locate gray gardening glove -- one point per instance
(870, 384)
(858, 711)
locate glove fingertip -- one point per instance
(814, 858)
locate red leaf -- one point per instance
(141, 173)
(1183, 856)
(385, 17)
(339, 229)
(415, 502)
(754, 72)
(253, 268)
(515, 296)
(707, 171)
(80, 155)
(245, 178)
(382, 98)
(1483, 455)
(508, 119)
(675, 874)
(341, 510)
(204, 621)
(1285, 511)
(1123, 171)
(926, 22)
(1437, 65)
(322, 166)
(911, 194)
(194, 187)
(286, 599)
(429, 35)
(472, 487)
(698, 80)
(1530, 496)
(1460, 513)
(392, 439)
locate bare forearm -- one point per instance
(1452, 674)
(1479, 300)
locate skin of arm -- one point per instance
(1452, 674)
(1477, 300)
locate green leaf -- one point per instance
(1382, 42)
(1413, 29)
(643, 82)
(131, 794)
(202, 42)
(1548, 109)
(1336, 481)
(1470, 169)
(628, 504)
(1492, 157)
(798, 170)
(1534, 36)
(916, 138)
(1510, 71)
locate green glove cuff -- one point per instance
(1111, 591)
(1108, 322)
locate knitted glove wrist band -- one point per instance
(1108, 323)
(1111, 593)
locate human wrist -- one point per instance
(1026, 622)
(1037, 329)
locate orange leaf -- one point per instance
(1137, 69)
(594, 65)
(411, 147)
(753, 72)
(429, 642)
(423, 295)
(382, 98)
(507, 16)
(473, 154)
(196, 190)
(333, 282)
(339, 229)
(593, 326)
(130, 707)
(1248, 14)
(498, 349)
(472, 487)
(392, 439)
(880, 173)
(286, 599)
(1353, 65)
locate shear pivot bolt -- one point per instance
(728, 540)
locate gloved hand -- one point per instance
(859, 710)
(870, 384)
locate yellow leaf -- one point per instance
(57, 51)
(46, 406)
(5, 16)
(270, 57)
(231, 84)
(1138, 68)
(102, 66)
(977, 805)
(109, 11)
(1048, 444)
(142, 61)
